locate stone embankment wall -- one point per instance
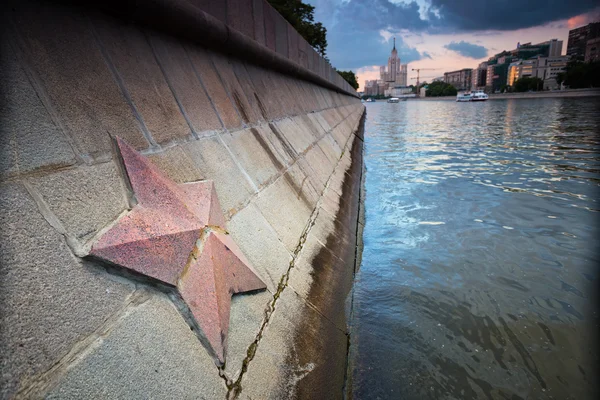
(265, 118)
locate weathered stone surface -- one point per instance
(259, 22)
(320, 168)
(247, 84)
(279, 141)
(300, 356)
(297, 137)
(285, 211)
(74, 73)
(245, 108)
(29, 138)
(214, 162)
(256, 155)
(85, 199)
(293, 37)
(330, 148)
(297, 178)
(281, 33)
(205, 69)
(50, 300)
(176, 163)
(322, 277)
(217, 9)
(150, 353)
(182, 78)
(129, 51)
(240, 15)
(260, 243)
(247, 315)
(269, 17)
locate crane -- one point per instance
(418, 71)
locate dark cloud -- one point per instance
(504, 15)
(467, 49)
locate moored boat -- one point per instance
(463, 96)
(393, 100)
(479, 95)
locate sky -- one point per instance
(443, 35)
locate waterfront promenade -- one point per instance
(531, 95)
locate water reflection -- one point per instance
(479, 266)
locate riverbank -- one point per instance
(529, 95)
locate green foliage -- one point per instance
(582, 75)
(350, 77)
(301, 17)
(528, 83)
(437, 89)
(376, 97)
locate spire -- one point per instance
(394, 44)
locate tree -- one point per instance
(528, 83)
(438, 88)
(582, 75)
(301, 17)
(350, 77)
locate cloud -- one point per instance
(505, 15)
(467, 49)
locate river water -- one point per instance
(479, 275)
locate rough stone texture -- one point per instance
(260, 243)
(50, 300)
(84, 199)
(177, 165)
(247, 315)
(214, 162)
(76, 78)
(286, 212)
(130, 52)
(239, 14)
(296, 360)
(281, 34)
(204, 68)
(259, 22)
(299, 140)
(29, 138)
(182, 78)
(244, 108)
(217, 9)
(150, 353)
(256, 155)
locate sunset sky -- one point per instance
(441, 34)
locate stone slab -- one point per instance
(188, 90)
(50, 299)
(300, 356)
(246, 318)
(29, 138)
(150, 353)
(214, 162)
(134, 60)
(270, 30)
(256, 155)
(177, 164)
(259, 22)
(244, 107)
(281, 33)
(211, 81)
(76, 78)
(285, 211)
(240, 16)
(217, 9)
(85, 199)
(297, 137)
(259, 242)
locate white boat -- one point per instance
(479, 95)
(463, 96)
(394, 100)
(370, 100)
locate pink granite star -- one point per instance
(176, 234)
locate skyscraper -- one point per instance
(395, 73)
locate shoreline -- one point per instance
(528, 95)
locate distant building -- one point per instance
(545, 68)
(460, 79)
(578, 38)
(478, 76)
(395, 73)
(592, 50)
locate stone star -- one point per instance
(176, 234)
